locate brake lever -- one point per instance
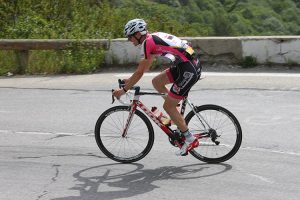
(121, 83)
(113, 97)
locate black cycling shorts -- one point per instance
(183, 76)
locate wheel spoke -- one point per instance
(137, 142)
(224, 125)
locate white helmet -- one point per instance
(135, 25)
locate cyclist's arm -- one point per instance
(144, 65)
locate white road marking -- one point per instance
(261, 178)
(44, 133)
(91, 134)
(252, 74)
(152, 74)
(271, 151)
(264, 179)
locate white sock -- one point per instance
(188, 136)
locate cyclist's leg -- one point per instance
(187, 74)
(160, 81)
(170, 107)
(190, 141)
(184, 77)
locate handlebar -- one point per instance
(136, 91)
(122, 85)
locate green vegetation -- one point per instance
(75, 61)
(7, 62)
(105, 19)
(95, 19)
(248, 62)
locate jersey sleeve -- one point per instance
(146, 49)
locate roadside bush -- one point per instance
(8, 62)
(248, 62)
(76, 60)
(79, 59)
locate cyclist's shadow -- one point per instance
(113, 183)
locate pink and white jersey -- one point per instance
(163, 43)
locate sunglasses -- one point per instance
(130, 36)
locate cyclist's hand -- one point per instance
(125, 81)
(118, 93)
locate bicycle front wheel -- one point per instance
(125, 149)
(219, 130)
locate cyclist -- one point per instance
(184, 74)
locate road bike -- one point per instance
(125, 134)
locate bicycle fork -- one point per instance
(209, 132)
(129, 119)
(201, 119)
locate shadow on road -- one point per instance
(111, 182)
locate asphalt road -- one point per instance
(47, 148)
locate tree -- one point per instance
(222, 26)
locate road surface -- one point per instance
(48, 151)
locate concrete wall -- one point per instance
(281, 50)
(227, 50)
(122, 52)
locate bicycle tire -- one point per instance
(106, 131)
(209, 151)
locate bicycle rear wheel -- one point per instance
(219, 130)
(131, 148)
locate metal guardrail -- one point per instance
(22, 47)
(53, 44)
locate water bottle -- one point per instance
(163, 118)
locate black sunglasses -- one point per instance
(130, 36)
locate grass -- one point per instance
(8, 62)
(72, 61)
(248, 62)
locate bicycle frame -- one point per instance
(137, 103)
(165, 128)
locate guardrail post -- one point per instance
(22, 60)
